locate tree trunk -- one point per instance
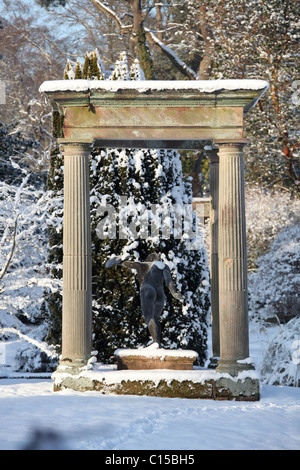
(144, 56)
(206, 64)
(159, 23)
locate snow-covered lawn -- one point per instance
(90, 420)
(93, 421)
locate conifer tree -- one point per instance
(121, 69)
(68, 72)
(86, 67)
(94, 68)
(136, 73)
(78, 72)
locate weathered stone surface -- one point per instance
(233, 300)
(214, 256)
(153, 358)
(154, 123)
(146, 363)
(223, 388)
(77, 271)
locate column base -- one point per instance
(71, 366)
(233, 367)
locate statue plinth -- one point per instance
(155, 358)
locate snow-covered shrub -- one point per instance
(267, 213)
(23, 270)
(281, 363)
(274, 290)
(25, 352)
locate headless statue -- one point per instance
(152, 273)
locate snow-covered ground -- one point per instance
(90, 420)
(94, 421)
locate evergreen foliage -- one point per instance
(12, 147)
(121, 69)
(92, 68)
(86, 67)
(53, 298)
(146, 177)
(78, 73)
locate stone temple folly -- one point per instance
(159, 114)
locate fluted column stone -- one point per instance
(214, 257)
(77, 272)
(233, 301)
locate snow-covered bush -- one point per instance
(23, 265)
(267, 213)
(274, 290)
(281, 362)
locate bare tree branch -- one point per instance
(152, 39)
(108, 11)
(179, 64)
(206, 64)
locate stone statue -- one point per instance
(152, 273)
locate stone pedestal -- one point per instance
(233, 301)
(198, 384)
(77, 273)
(144, 359)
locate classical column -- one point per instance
(233, 302)
(77, 273)
(214, 259)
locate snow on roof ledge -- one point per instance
(203, 86)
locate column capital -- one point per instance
(240, 143)
(82, 145)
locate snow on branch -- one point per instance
(121, 27)
(179, 64)
(5, 268)
(38, 344)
